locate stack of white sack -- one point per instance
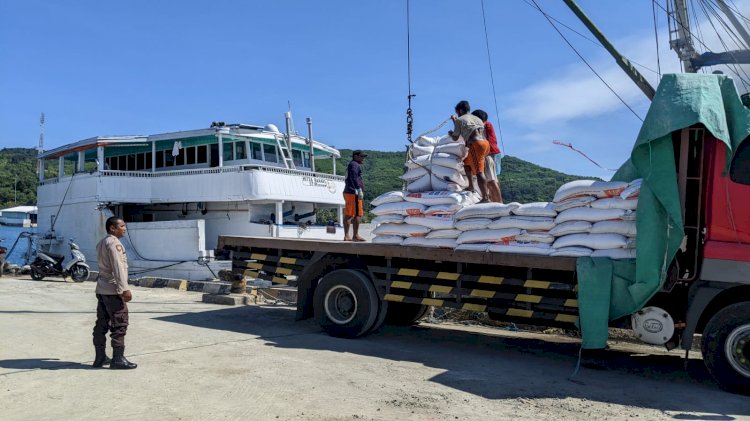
(475, 222)
(595, 218)
(436, 164)
(534, 222)
(419, 219)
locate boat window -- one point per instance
(131, 162)
(202, 154)
(739, 172)
(269, 152)
(239, 150)
(159, 159)
(149, 156)
(122, 163)
(227, 148)
(306, 157)
(255, 152)
(189, 155)
(140, 161)
(70, 163)
(180, 159)
(297, 156)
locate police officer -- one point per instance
(113, 294)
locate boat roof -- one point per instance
(231, 131)
(24, 209)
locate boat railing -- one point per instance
(213, 170)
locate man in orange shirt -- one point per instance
(492, 161)
(471, 129)
(354, 188)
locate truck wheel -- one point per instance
(404, 314)
(726, 347)
(346, 303)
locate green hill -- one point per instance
(520, 181)
(18, 177)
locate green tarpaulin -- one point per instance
(609, 289)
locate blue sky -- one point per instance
(147, 67)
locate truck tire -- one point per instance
(726, 347)
(404, 314)
(346, 303)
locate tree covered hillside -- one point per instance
(17, 169)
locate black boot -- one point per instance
(119, 361)
(101, 357)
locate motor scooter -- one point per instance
(48, 264)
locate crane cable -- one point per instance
(409, 114)
(492, 79)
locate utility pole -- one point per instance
(623, 62)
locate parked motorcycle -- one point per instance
(48, 264)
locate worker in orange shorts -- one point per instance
(471, 129)
(353, 195)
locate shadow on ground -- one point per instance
(42, 364)
(498, 366)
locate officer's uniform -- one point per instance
(112, 310)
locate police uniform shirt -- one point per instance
(113, 267)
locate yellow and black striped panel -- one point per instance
(512, 312)
(481, 279)
(488, 294)
(267, 277)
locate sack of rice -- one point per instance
(417, 150)
(473, 247)
(442, 159)
(522, 248)
(486, 210)
(430, 198)
(390, 218)
(488, 236)
(404, 230)
(570, 227)
(432, 222)
(414, 174)
(388, 197)
(533, 223)
(589, 188)
(426, 141)
(399, 208)
(420, 184)
(446, 243)
(443, 209)
(450, 233)
(535, 237)
(615, 203)
(472, 224)
(571, 252)
(633, 190)
(628, 216)
(626, 228)
(592, 241)
(454, 148)
(588, 214)
(615, 253)
(576, 202)
(536, 209)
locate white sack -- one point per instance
(615, 253)
(417, 150)
(589, 188)
(447, 243)
(575, 202)
(430, 198)
(454, 148)
(589, 214)
(626, 228)
(452, 233)
(426, 141)
(486, 210)
(443, 209)
(533, 223)
(570, 227)
(522, 248)
(442, 159)
(432, 222)
(535, 237)
(419, 185)
(571, 252)
(413, 174)
(473, 247)
(633, 190)
(629, 216)
(390, 218)
(399, 208)
(472, 224)
(404, 230)
(615, 203)
(388, 197)
(387, 239)
(488, 236)
(455, 184)
(536, 209)
(592, 241)
(448, 174)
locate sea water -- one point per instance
(8, 235)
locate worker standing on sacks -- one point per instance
(471, 129)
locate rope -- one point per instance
(409, 114)
(570, 145)
(656, 38)
(492, 79)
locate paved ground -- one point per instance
(199, 361)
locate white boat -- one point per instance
(19, 216)
(179, 191)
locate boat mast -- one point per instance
(682, 44)
(623, 62)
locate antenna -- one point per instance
(291, 123)
(40, 147)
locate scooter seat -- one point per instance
(54, 256)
